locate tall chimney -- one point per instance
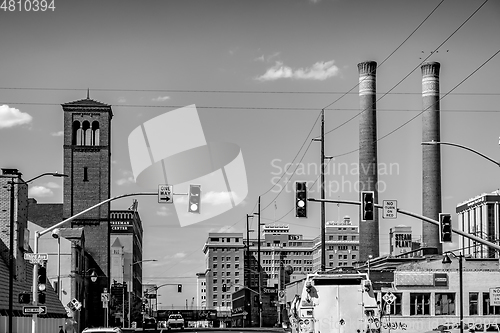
(368, 168)
(431, 154)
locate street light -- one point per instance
(55, 234)
(447, 261)
(14, 173)
(132, 284)
(259, 266)
(430, 143)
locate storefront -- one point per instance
(426, 294)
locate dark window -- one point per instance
(473, 304)
(487, 308)
(445, 303)
(420, 304)
(85, 174)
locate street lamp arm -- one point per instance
(54, 174)
(43, 232)
(463, 147)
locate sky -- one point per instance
(259, 74)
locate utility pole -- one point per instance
(323, 218)
(322, 179)
(259, 271)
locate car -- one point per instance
(102, 330)
(175, 320)
(149, 323)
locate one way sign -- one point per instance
(30, 310)
(165, 193)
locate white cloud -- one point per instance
(127, 178)
(60, 133)
(10, 117)
(218, 198)
(163, 211)
(122, 100)
(268, 58)
(52, 185)
(318, 71)
(161, 98)
(40, 191)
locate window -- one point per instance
(236, 258)
(396, 305)
(473, 304)
(487, 308)
(85, 174)
(215, 289)
(214, 266)
(445, 304)
(236, 266)
(215, 281)
(353, 257)
(214, 259)
(228, 266)
(420, 304)
(214, 303)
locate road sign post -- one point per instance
(39, 310)
(390, 208)
(165, 193)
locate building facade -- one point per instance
(480, 216)
(341, 245)
(400, 240)
(427, 294)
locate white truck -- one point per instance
(175, 320)
(335, 303)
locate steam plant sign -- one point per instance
(495, 296)
(390, 209)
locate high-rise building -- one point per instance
(224, 257)
(479, 216)
(342, 245)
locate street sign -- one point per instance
(390, 209)
(165, 193)
(74, 305)
(389, 298)
(105, 297)
(36, 256)
(387, 309)
(495, 296)
(281, 296)
(31, 310)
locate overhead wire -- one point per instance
(407, 75)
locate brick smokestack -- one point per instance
(368, 168)
(431, 154)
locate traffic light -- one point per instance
(41, 297)
(194, 199)
(300, 199)
(179, 288)
(24, 298)
(224, 288)
(445, 228)
(367, 205)
(42, 278)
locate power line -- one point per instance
(397, 48)
(205, 91)
(407, 75)
(413, 118)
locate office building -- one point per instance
(479, 216)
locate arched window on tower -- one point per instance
(86, 133)
(95, 133)
(75, 134)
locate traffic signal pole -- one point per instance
(417, 216)
(323, 217)
(38, 234)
